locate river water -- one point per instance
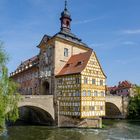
(113, 130)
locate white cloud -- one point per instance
(127, 61)
(129, 43)
(135, 31)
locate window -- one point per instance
(65, 52)
(79, 63)
(89, 93)
(85, 80)
(102, 93)
(60, 93)
(67, 65)
(29, 91)
(91, 108)
(84, 108)
(95, 93)
(76, 108)
(67, 23)
(60, 81)
(101, 82)
(77, 81)
(84, 92)
(101, 108)
(77, 93)
(93, 81)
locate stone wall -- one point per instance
(66, 121)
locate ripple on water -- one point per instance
(120, 130)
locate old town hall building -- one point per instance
(69, 70)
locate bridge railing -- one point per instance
(36, 96)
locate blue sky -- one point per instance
(110, 27)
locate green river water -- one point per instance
(113, 130)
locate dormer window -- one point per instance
(79, 63)
(65, 52)
(67, 65)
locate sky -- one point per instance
(110, 27)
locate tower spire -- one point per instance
(66, 4)
(65, 19)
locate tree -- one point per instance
(134, 105)
(137, 89)
(8, 93)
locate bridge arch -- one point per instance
(41, 105)
(112, 111)
(35, 114)
(36, 105)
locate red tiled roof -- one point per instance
(124, 84)
(76, 64)
(112, 88)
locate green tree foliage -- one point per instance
(137, 89)
(134, 105)
(8, 93)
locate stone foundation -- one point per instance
(68, 121)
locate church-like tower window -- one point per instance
(66, 53)
(67, 23)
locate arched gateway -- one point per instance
(45, 88)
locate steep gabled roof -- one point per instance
(76, 64)
(124, 84)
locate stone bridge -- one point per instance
(39, 107)
(116, 106)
